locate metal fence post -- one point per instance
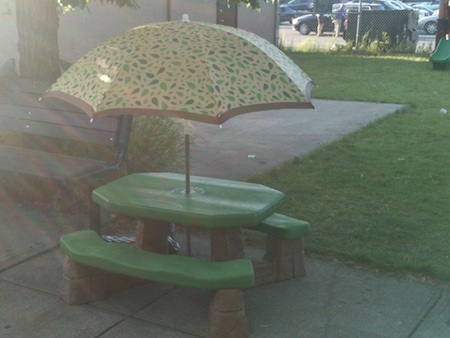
(358, 22)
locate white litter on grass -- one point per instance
(443, 111)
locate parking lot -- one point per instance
(291, 38)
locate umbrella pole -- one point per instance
(188, 186)
(187, 166)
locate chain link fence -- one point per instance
(390, 28)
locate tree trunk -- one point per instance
(442, 22)
(37, 25)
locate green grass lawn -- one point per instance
(380, 197)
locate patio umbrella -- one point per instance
(189, 70)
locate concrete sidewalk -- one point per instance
(332, 300)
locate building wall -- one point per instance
(198, 10)
(80, 31)
(8, 32)
(264, 22)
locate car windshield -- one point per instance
(385, 4)
(353, 7)
(396, 5)
(293, 2)
(402, 5)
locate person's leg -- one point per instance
(319, 26)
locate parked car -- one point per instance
(300, 5)
(387, 4)
(352, 7)
(391, 4)
(420, 2)
(425, 7)
(429, 23)
(423, 11)
(402, 4)
(430, 4)
(286, 13)
(306, 24)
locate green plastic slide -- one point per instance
(441, 56)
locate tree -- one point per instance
(251, 3)
(37, 25)
(443, 26)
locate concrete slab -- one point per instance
(42, 276)
(337, 301)
(132, 300)
(330, 301)
(28, 313)
(137, 328)
(183, 309)
(43, 272)
(26, 231)
(436, 323)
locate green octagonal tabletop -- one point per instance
(212, 203)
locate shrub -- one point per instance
(156, 144)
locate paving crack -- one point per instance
(434, 303)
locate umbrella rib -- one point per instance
(208, 69)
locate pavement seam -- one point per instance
(30, 288)
(427, 313)
(111, 327)
(28, 258)
(135, 316)
(331, 296)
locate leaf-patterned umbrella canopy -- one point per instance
(190, 70)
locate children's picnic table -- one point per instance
(159, 199)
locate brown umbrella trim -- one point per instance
(177, 114)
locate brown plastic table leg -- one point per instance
(227, 310)
(151, 235)
(226, 244)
